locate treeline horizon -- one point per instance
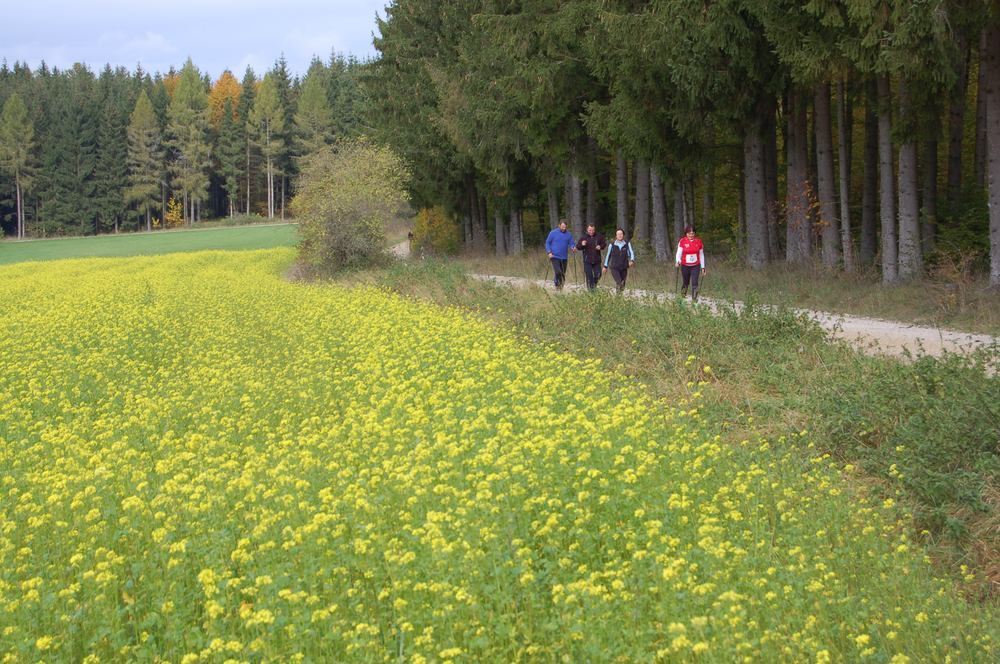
(84, 153)
(847, 134)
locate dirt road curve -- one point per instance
(869, 335)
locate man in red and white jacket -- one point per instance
(691, 259)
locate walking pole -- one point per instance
(677, 278)
(576, 278)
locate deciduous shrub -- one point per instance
(347, 194)
(436, 232)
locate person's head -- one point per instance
(620, 234)
(689, 230)
(563, 225)
(591, 229)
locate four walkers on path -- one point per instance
(619, 259)
(558, 245)
(591, 245)
(691, 261)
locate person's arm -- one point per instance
(548, 243)
(607, 256)
(677, 259)
(631, 253)
(701, 257)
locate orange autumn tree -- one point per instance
(227, 87)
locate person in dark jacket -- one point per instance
(558, 245)
(591, 245)
(619, 259)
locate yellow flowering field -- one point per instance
(201, 462)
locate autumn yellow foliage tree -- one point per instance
(435, 231)
(170, 82)
(227, 87)
(173, 216)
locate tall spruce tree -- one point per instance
(187, 131)
(68, 201)
(230, 153)
(16, 146)
(111, 170)
(145, 159)
(248, 94)
(267, 122)
(284, 165)
(313, 116)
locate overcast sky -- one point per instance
(216, 34)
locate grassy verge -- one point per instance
(145, 244)
(949, 297)
(926, 432)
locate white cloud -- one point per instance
(214, 32)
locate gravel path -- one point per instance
(870, 335)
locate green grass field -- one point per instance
(149, 244)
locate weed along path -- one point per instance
(870, 335)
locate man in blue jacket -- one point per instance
(558, 245)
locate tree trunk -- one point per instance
(149, 221)
(20, 214)
(869, 191)
(843, 131)
(576, 204)
(910, 259)
(991, 63)
(593, 186)
(248, 177)
(499, 230)
(553, 196)
(661, 240)
(956, 121)
(708, 195)
(756, 196)
(928, 210)
(771, 180)
(514, 246)
(689, 201)
(484, 220)
(621, 192)
(283, 180)
(473, 205)
(679, 219)
(979, 159)
(887, 185)
(824, 178)
(799, 194)
(642, 197)
(741, 213)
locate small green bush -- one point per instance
(347, 194)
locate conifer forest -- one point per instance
(843, 134)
